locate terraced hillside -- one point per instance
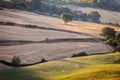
(52, 39)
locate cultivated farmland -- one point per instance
(52, 40)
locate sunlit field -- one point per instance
(103, 67)
(59, 40)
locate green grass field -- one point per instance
(94, 67)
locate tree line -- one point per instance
(44, 7)
(105, 4)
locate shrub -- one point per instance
(10, 23)
(95, 16)
(47, 40)
(74, 55)
(16, 61)
(7, 23)
(80, 54)
(108, 33)
(31, 26)
(66, 17)
(43, 60)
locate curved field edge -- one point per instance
(94, 67)
(101, 72)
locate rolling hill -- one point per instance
(72, 38)
(94, 67)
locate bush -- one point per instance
(66, 17)
(43, 60)
(7, 23)
(80, 54)
(108, 33)
(31, 26)
(95, 16)
(16, 61)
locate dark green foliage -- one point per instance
(108, 33)
(7, 23)
(16, 61)
(118, 36)
(111, 37)
(80, 54)
(66, 17)
(94, 16)
(113, 24)
(43, 60)
(112, 42)
(105, 4)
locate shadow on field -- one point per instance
(18, 74)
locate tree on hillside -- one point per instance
(16, 61)
(108, 33)
(95, 16)
(66, 17)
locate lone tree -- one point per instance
(16, 61)
(95, 16)
(66, 17)
(108, 33)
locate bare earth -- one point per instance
(34, 52)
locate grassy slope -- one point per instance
(95, 67)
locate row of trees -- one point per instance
(34, 6)
(93, 16)
(41, 6)
(106, 4)
(16, 61)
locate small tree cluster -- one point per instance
(66, 17)
(80, 54)
(108, 33)
(94, 16)
(112, 37)
(43, 60)
(16, 61)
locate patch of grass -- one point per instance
(94, 67)
(101, 72)
(18, 74)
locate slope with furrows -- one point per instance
(65, 37)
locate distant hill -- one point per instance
(106, 15)
(104, 4)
